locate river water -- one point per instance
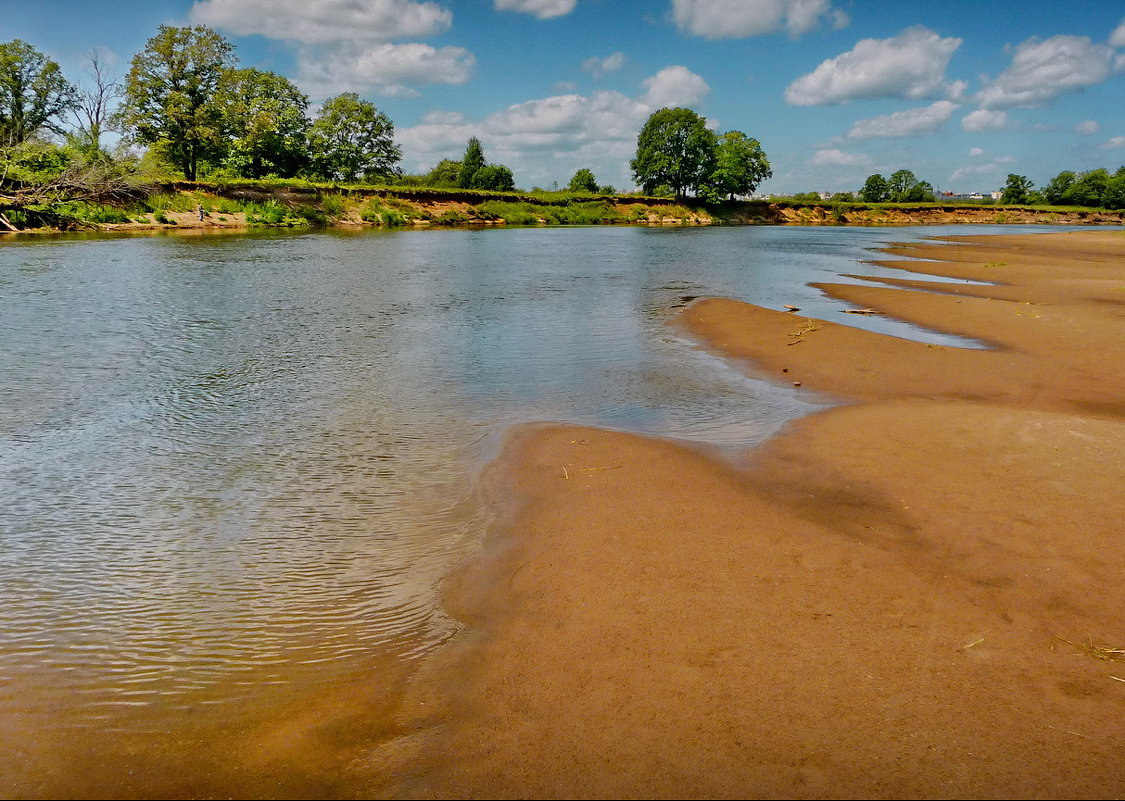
(233, 469)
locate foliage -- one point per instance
(675, 148)
(1092, 189)
(583, 181)
(875, 189)
(33, 93)
(446, 173)
(265, 120)
(493, 177)
(1016, 190)
(472, 161)
(351, 138)
(740, 166)
(171, 93)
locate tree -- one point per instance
(33, 93)
(1016, 190)
(919, 192)
(676, 148)
(875, 190)
(1088, 189)
(583, 181)
(171, 93)
(740, 165)
(91, 109)
(1058, 187)
(472, 161)
(351, 138)
(899, 185)
(446, 173)
(496, 177)
(266, 122)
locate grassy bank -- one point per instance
(294, 203)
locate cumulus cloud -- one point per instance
(674, 86)
(838, 158)
(911, 122)
(1116, 143)
(325, 21)
(974, 169)
(984, 120)
(387, 69)
(1088, 127)
(549, 138)
(1117, 38)
(600, 66)
(543, 9)
(975, 152)
(736, 19)
(911, 65)
(1042, 70)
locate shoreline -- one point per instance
(914, 593)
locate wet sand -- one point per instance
(915, 593)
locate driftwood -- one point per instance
(861, 311)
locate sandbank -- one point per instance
(916, 593)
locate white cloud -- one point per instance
(387, 69)
(1115, 143)
(674, 86)
(1042, 70)
(735, 19)
(975, 152)
(1117, 38)
(325, 21)
(548, 139)
(838, 158)
(911, 64)
(976, 169)
(911, 122)
(543, 9)
(600, 66)
(984, 120)
(1088, 127)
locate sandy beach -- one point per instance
(916, 593)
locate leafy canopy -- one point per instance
(674, 148)
(171, 93)
(351, 138)
(33, 93)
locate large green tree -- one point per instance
(899, 185)
(1057, 189)
(496, 177)
(34, 95)
(472, 161)
(445, 173)
(674, 148)
(583, 181)
(740, 165)
(875, 189)
(1016, 190)
(350, 138)
(267, 123)
(171, 94)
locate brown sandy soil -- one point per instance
(901, 597)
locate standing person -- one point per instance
(199, 211)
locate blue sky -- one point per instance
(961, 93)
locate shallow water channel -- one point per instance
(233, 469)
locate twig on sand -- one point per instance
(1103, 652)
(861, 311)
(807, 328)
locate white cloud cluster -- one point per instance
(1117, 38)
(348, 45)
(736, 19)
(985, 120)
(911, 65)
(834, 157)
(1087, 127)
(911, 122)
(602, 66)
(543, 9)
(544, 139)
(325, 21)
(1042, 70)
(1116, 143)
(387, 69)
